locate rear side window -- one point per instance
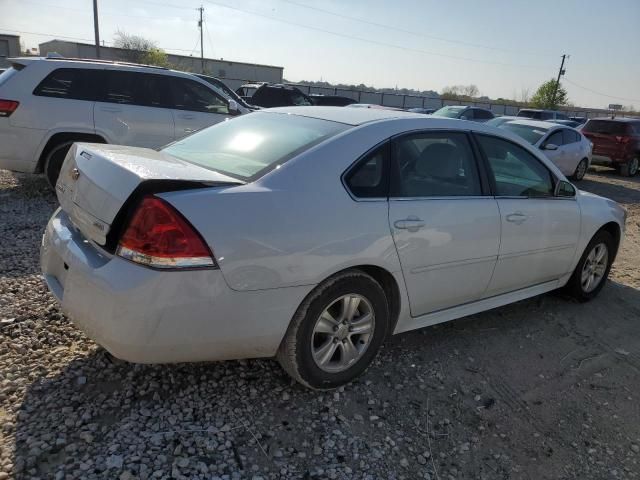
(434, 164)
(515, 171)
(121, 87)
(483, 114)
(70, 83)
(370, 178)
(607, 127)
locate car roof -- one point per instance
(348, 116)
(620, 119)
(541, 124)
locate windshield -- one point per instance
(529, 133)
(450, 112)
(249, 146)
(226, 90)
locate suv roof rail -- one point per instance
(58, 57)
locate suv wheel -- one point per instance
(631, 168)
(581, 170)
(593, 268)
(336, 332)
(54, 160)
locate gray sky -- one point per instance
(502, 46)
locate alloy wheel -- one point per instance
(342, 333)
(594, 268)
(581, 170)
(633, 166)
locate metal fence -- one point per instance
(411, 101)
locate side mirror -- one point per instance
(565, 189)
(550, 146)
(234, 109)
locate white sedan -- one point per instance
(310, 234)
(565, 146)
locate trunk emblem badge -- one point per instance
(75, 173)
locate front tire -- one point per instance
(593, 268)
(630, 168)
(581, 170)
(336, 332)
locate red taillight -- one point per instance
(7, 107)
(159, 236)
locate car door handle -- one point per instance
(189, 130)
(413, 224)
(186, 116)
(517, 218)
(111, 109)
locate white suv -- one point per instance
(46, 104)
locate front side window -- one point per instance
(193, 96)
(370, 179)
(555, 138)
(516, 172)
(251, 145)
(434, 164)
(483, 114)
(70, 83)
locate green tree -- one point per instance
(138, 49)
(543, 98)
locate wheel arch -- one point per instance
(613, 229)
(63, 137)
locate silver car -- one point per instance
(310, 234)
(566, 147)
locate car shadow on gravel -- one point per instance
(625, 190)
(502, 393)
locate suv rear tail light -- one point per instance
(7, 107)
(159, 236)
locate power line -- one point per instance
(411, 32)
(375, 42)
(600, 93)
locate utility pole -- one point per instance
(560, 73)
(201, 9)
(96, 28)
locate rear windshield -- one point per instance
(249, 146)
(535, 114)
(607, 127)
(529, 133)
(450, 112)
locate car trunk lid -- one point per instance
(96, 181)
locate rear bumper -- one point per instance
(150, 316)
(19, 147)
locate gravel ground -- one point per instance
(545, 388)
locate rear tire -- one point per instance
(630, 168)
(336, 332)
(592, 267)
(581, 170)
(53, 162)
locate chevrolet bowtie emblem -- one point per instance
(75, 173)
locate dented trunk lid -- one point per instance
(96, 180)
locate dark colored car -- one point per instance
(331, 100)
(463, 112)
(616, 142)
(425, 111)
(216, 82)
(538, 114)
(580, 120)
(269, 95)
